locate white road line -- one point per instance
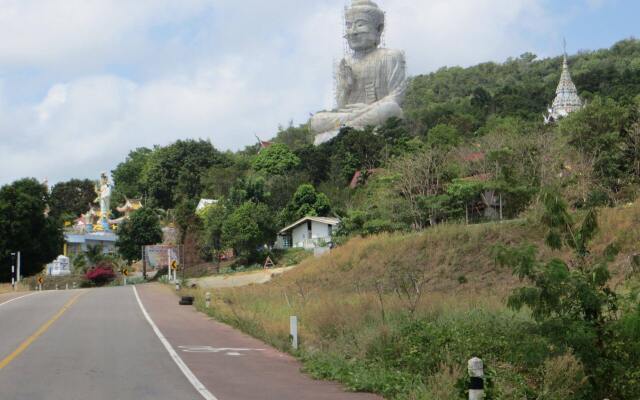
(17, 298)
(181, 364)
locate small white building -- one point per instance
(60, 267)
(204, 203)
(308, 233)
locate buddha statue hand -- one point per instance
(345, 76)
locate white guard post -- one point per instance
(293, 321)
(207, 298)
(19, 265)
(476, 384)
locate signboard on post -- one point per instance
(268, 263)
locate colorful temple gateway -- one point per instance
(567, 99)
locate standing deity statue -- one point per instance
(104, 198)
(370, 82)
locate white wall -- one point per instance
(298, 235)
(319, 230)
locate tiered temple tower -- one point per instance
(567, 99)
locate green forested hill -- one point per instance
(520, 87)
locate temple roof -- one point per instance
(567, 99)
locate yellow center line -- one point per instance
(38, 333)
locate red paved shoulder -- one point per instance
(232, 365)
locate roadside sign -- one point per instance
(268, 263)
(174, 265)
(125, 272)
(40, 280)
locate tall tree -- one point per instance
(127, 177)
(143, 229)
(247, 228)
(72, 198)
(25, 228)
(306, 201)
(174, 172)
(276, 159)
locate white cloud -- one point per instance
(217, 69)
(41, 33)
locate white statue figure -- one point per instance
(104, 196)
(370, 82)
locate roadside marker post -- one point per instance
(18, 278)
(207, 297)
(293, 328)
(40, 282)
(66, 287)
(475, 368)
(13, 271)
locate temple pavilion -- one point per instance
(567, 99)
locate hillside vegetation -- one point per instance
(363, 322)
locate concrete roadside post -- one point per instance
(476, 375)
(13, 272)
(19, 267)
(207, 298)
(293, 326)
(66, 287)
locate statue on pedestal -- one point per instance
(104, 198)
(370, 82)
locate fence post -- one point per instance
(293, 325)
(476, 382)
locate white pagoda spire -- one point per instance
(567, 99)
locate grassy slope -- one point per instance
(342, 299)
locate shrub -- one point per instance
(101, 274)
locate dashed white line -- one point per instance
(195, 382)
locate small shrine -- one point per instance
(96, 227)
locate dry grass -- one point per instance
(6, 288)
(354, 286)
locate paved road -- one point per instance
(100, 344)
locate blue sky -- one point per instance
(82, 83)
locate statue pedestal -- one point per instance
(105, 225)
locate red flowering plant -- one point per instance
(101, 274)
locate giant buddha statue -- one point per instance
(370, 81)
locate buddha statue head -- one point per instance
(364, 25)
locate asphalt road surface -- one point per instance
(135, 344)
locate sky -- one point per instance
(83, 82)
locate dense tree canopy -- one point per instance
(70, 199)
(142, 229)
(127, 177)
(276, 159)
(174, 172)
(24, 227)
